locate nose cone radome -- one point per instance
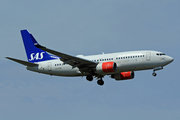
(170, 59)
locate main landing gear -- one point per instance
(89, 77)
(155, 69)
(99, 82)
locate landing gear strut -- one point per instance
(155, 69)
(100, 82)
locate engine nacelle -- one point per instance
(123, 75)
(106, 67)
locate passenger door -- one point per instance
(148, 56)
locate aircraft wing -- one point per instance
(68, 59)
(22, 62)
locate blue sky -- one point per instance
(90, 27)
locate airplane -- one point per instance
(119, 66)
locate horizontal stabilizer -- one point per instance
(22, 62)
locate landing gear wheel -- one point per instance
(100, 82)
(89, 77)
(154, 74)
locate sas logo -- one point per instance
(162, 58)
(37, 56)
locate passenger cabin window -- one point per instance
(128, 57)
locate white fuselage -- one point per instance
(126, 61)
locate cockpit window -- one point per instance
(160, 54)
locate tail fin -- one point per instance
(33, 53)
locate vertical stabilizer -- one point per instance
(33, 53)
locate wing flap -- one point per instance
(22, 62)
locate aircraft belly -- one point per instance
(59, 71)
(66, 70)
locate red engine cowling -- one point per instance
(123, 75)
(106, 67)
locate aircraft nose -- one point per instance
(170, 59)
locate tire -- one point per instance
(100, 82)
(89, 77)
(154, 74)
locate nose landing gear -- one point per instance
(155, 69)
(154, 74)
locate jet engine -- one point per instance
(123, 75)
(106, 67)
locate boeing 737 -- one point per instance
(120, 65)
